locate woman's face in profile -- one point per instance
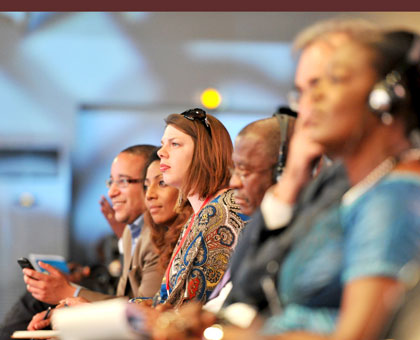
(341, 118)
(175, 156)
(160, 198)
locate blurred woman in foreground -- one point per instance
(366, 109)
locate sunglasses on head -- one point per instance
(197, 114)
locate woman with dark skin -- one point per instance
(375, 231)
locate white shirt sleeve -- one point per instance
(276, 214)
(120, 246)
(215, 305)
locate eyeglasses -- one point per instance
(122, 182)
(244, 174)
(198, 114)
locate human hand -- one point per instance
(303, 152)
(47, 288)
(188, 322)
(109, 215)
(302, 156)
(40, 320)
(72, 301)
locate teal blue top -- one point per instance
(375, 235)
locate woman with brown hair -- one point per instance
(196, 156)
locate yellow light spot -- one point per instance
(211, 98)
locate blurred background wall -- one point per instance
(76, 88)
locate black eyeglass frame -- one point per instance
(125, 181)
(197, 114)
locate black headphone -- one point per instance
(286, 118)
(388, 93)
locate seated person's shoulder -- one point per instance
(222, 216)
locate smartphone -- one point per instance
(25, 263)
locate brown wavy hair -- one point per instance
(165, 236)
(212, 158)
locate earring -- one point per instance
(386, 118)
(180, 199)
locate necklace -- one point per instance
(383, 169)
(369, 181)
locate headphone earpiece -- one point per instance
(387, 94)
(390, 92)
(286, 119)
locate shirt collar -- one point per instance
(136, 226)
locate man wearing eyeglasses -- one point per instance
(140, 276)
(256, 163)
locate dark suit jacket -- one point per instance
(260, 253)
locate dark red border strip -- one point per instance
(212, 5)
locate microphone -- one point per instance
(286, 118)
